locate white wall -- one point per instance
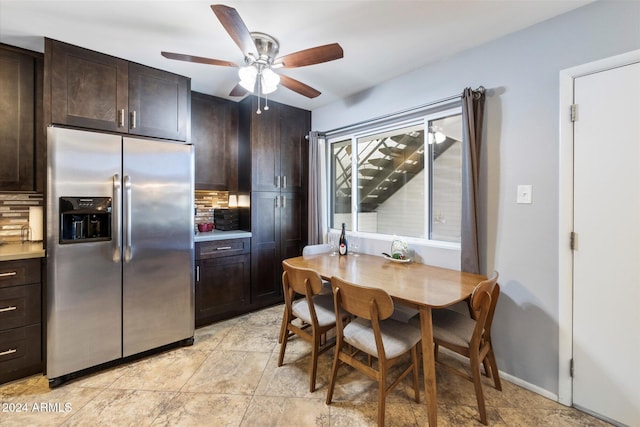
(521, 73)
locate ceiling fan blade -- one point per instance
(238, 91)
(298, 87)
(231, 21)
(314, 55)
(198, 59)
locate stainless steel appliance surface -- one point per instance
(120, 245)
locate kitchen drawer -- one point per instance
(19, 306)
(19, 272)
(20, 352)
(222, 248)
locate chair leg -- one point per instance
(334, 373)
(283, 344)
(487, 368)
(283, 326)
(382, 391)
(491, 359)
(477, 384)
(313, 368)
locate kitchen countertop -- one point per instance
(220, 235)
(13, 251)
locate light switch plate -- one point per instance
(524, 194)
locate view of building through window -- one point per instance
(408, 180)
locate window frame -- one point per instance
(369, 129)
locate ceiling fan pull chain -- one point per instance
(259, 91)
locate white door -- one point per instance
(606, 281)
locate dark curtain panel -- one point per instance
(315, 191)
(472, 117)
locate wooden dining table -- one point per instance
(419, 286)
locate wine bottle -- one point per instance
(343, 241)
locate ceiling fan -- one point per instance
(261, 58)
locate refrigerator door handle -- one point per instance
(127, 226)
(117, 203)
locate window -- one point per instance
(408, 179)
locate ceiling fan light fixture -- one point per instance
(435, 136)
(270, 80)
(248, 77)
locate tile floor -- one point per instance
(229, 377)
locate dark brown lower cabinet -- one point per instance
(223, 277)
(20, 326)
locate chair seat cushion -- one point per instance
(323, 306)
(453, 327)
(326, 288)
(402, 313)
(397, 337)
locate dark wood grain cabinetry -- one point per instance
(159, 104)
(274, 144)
(223, 272)
(278, 146)
(214, 134)
(277, 231)
(21, 133)
(92, 90)
(20, 319)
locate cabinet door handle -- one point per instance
(284, 201)
(10, 351)
(10, 308)
(223, 248)
(277, 201)
(278, 181)
(284, 181)
(121, 118)
(133, 120)
(9, 274)
(197, 273)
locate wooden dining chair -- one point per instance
(315, 313)
(320, 248)
(374, 334)
(470, 336)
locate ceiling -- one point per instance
(381, 39)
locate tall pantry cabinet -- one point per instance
(274, 144)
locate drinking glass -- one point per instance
(354, 245)
(333, 241)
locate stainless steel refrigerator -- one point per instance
(119, 248)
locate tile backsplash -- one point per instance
(14, 213)
(207, 201)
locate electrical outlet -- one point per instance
(524, 194)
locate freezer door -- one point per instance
(158, 287)
(83, 279)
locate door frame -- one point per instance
(565, 214)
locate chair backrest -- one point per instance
(304, 281)
(321, 248)
(483, 304)
(361, 301)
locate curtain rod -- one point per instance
(479, 90)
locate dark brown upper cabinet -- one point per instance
(278, 149)
(21, 145)
(214, 134)
(92, 90)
